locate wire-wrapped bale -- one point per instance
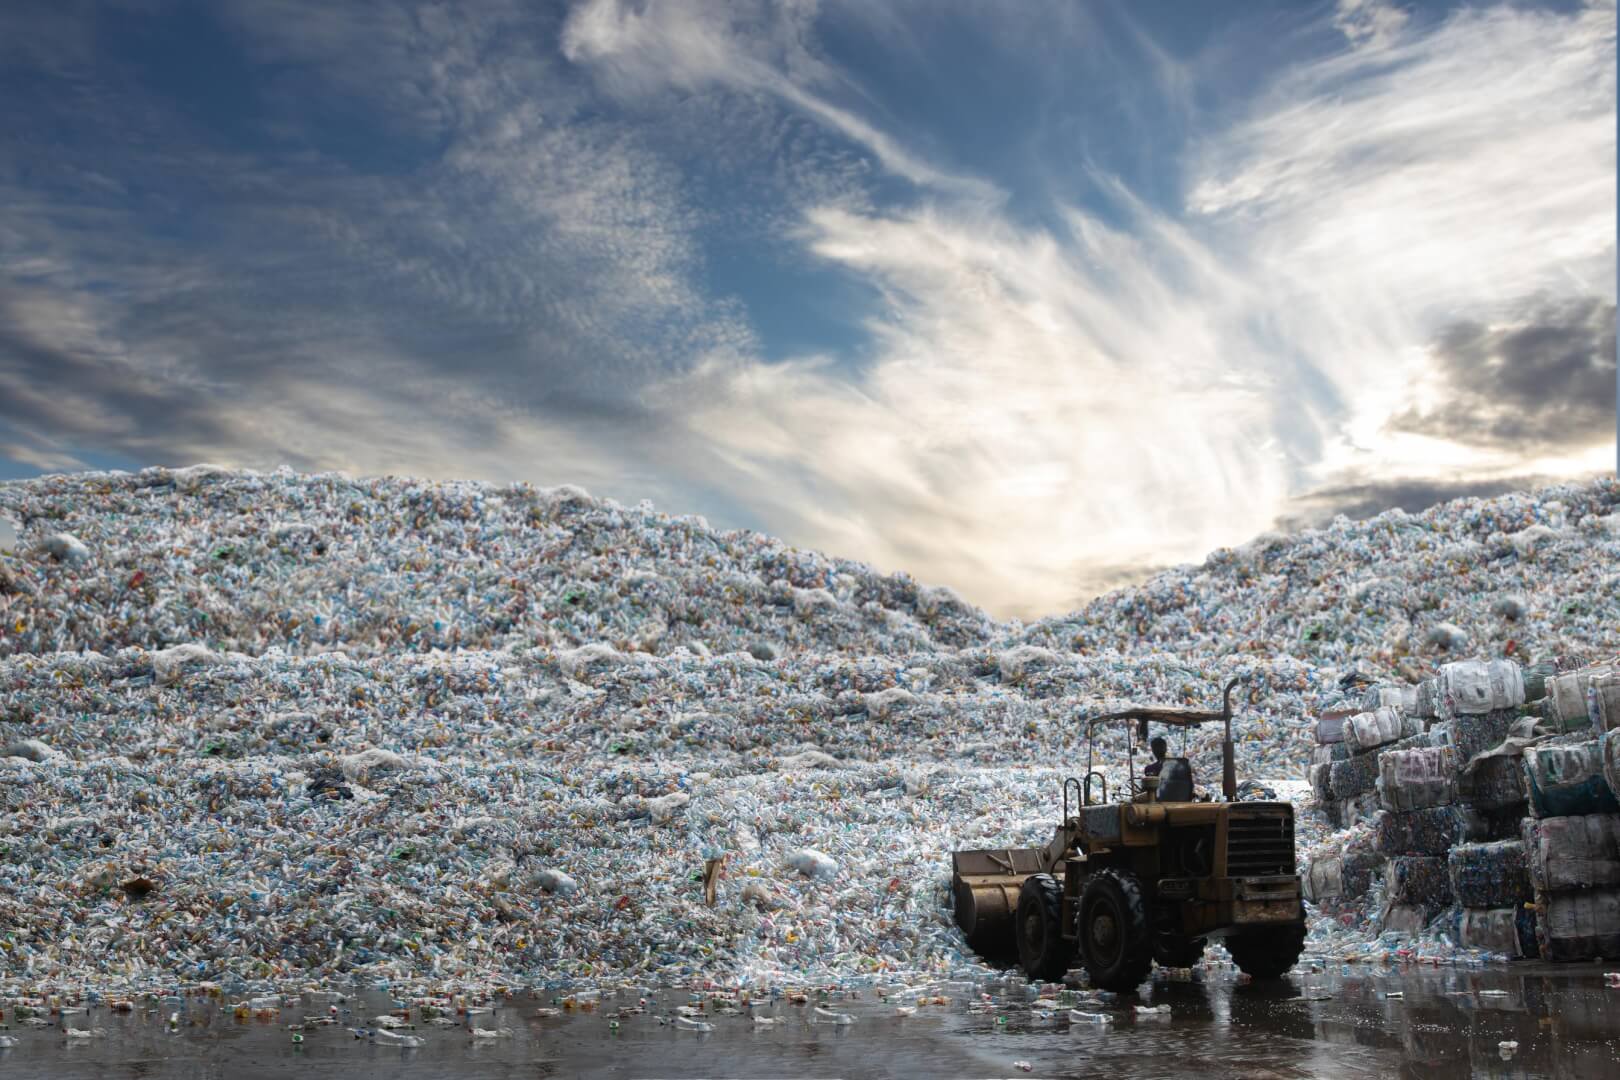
(1480, 686)
(1506, 931)
(1416, 778)
(1330, 726)
(1490, 875)
(1328, 754)
(1578, 852)
(1341, 876)
(1379, 727)
(1419, 879)
(1580, 925)
(1354, 776)
(1496, 782)
(1569, 705)
(1610, 752)
(1564, 778)
(1472, 734)
(1427, 700)
(1403, 698)
(1430, 831)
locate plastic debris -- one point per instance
(812, 863)
(1077, 1016)
(828, 1016)
(65, 547)
(386, 1037)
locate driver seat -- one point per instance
(1175, 780)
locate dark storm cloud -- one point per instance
(1547, 384)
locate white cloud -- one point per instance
(1041, 402)
(1369, 23)
(639, 50)
(1452, 176)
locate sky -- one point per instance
(1029, 299)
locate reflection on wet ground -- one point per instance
(1427, 1023)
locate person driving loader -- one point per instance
(1159, 748)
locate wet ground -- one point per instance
(1428, 1023)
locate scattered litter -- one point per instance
(393, 1038)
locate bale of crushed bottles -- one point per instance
(1611, 759)
(1416, 778)
(1426, 700)
(1402, 698)
(1506, 931)
(1575, 852)
(1470, 687)
(1330, 726)
(1472, 734)
(1579, 925)
(1354, 776)
(1348, 813)
(1565, 777)
(1421, 880)
(1328, 753)
(1584, 700)
(1495, 782)
(1341, 875)
(1369, 730)
(1433, 830)
(1490, 875)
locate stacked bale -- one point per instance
(1352, 780)
(1583, 700)
(1451, 828)
(1416, 787)
(1434, 830)
(1574, 867)
(1338, 879)
(1564, 777)
(1492, 883)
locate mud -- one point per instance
(1428, 1023)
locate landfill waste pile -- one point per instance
(294, 729)
(1478, 807)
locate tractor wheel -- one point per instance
(1042, 950)
(1268, 953)
(1114, 939)
(1178, 952)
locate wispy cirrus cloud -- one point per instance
(584, 245)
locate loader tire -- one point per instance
(1268, 953)
(1042, 951)
(1115, 942)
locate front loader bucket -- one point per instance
(984, 888)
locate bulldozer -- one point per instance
(1151, 876)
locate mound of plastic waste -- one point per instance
(297, 728)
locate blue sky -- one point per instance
(1023, 298)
